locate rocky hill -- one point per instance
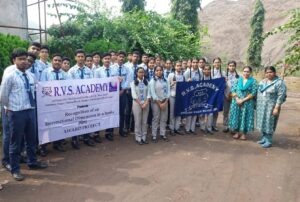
(229, 28)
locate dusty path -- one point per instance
(188, 168)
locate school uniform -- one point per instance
(105, 72)
(206, 120)
(216, 73)
(231, 79)
(123, 73)
(160, 91)
(37, 68)
(17, 96)
(5, 125)
(174, 120)
(83, 72)
(143, 65)
(193, 75)
(129, 119)
(140, 92)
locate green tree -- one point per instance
(256, 39)
(130, 5)
(292, 54)
(186, 11)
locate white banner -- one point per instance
(68, 108)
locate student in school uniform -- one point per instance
(160, 94)
(80, 71)
(206, 119)
(192, 74)
(129, 59)
(96, 60)
(19, 85)
(113, 57)
(124, 76)
(44, 57)
(129, 119)
(158, 60)
(173, 78)
(145, 59)
(231, 78)
(150, 75)
(168, 68)
(55, 73)
(140, 106)
(89, 61)
(65, 64)
(201, 65)
(216, 73)
(184, 65)
(104, 72)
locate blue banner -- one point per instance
(199, 97)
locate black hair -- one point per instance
(112, 51)
(207, 65)
(155, 79)
(129, 53)
(136, 81)
(106, 54)
(120, 52)
(88, 56)
(18, 52)
(213, 70)
(31, 55)
(250, 68)
(36, 44)
(234, 63)
(44, 46)
(79, 51)
(197, 71)
(273, 69)
(96, 53)
(203, 59)
(136, 53)
(145, 54)
(66, 58)
(57, 55)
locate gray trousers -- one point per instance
(159, 120)
(226, 108)
(215, 118)
(206, 121)
(174, 120)
(140, 121)
(190, 123)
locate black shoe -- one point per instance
(193, 132)
(215, 129)
(7, 166)
(75, 144)
(97, 139)
(145, 142)
(187, 132)
(209, 132)
(172, 133)
(139, 142)
(110, 137)
(59, 148)
(18, 176)
(43, 152)
(63, 142)
(89, 142)
(165, 138)
(154, 140)
(197, 124)
(123, 134)
(23, 159)
(168, 128)
(203, 130)
(226, 130)
(38, 165)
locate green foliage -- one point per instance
(292, 54)
(7, 44)
(143, 31)
(186, 12)
(256, 39)
(131, 5)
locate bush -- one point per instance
(7, 44)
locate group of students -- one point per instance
(147, 99)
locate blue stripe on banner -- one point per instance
(199, 97)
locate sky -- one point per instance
(160, 6)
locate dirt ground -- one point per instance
(188, 168)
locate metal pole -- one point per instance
(45, 16)
(40, 27)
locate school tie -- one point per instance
(168, 74)
(81, 73)
(31, 100)
(120, 74)
(107, 72)
(135, 66)
(33, 68)
(151, 74)
(56, 74)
